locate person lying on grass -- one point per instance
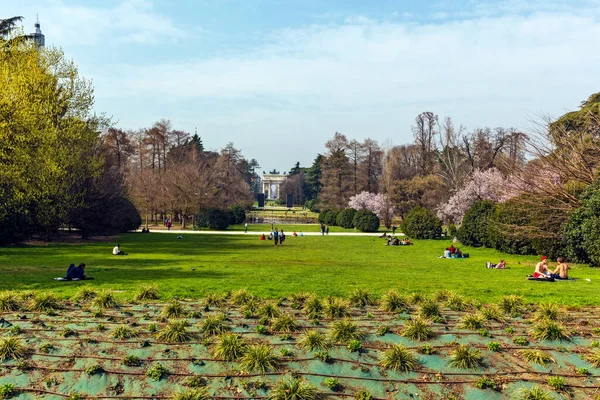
(562, 269)
(74, 272)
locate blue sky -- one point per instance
(280, 77)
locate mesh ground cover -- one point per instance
(64, 344)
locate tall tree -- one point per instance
(355, 153)
(336, 171)
(371, 168)
(424, 131)
(313, 179)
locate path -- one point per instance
(185, 232)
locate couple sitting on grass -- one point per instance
(542, 271)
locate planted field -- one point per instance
(241, 346)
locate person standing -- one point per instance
(281, 236)
(327, 229)
(322, 228)
(169, 225)
(276, 236)
(246, 227)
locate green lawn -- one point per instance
(327, 265)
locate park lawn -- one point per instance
(330, 265)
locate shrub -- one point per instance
(313, 205)
(344, 331)
(269, 310)
(430, 310)
(9, 302)
(174, 309)
(192, 394)
(147, 292)
(328, 217)
(465, 357)
(214, 325)
(105, 299)
(501, 233)
(512, 305)
(157, 371)
(214, 218)
(86, 293)
(534, 393)
(314, 340)
(582, 229)
(345, 218)
(11, 347)
(422, 223)
(123, 332)
(131, 361)
(259, 358)
(229, 347)
(472, 321)
(175, 332)
(550, 312)
(394, 302)
(398, 358)
(336, 308)
(417, 328)
(366, 221)
(44, 302)
(284, 324)
(239, 214)
(452, 230)
(295, 389)
(313, 307)
(549, 330)
(474, 228)
(535, 356)
(361, 298)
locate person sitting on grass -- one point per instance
(294, 234)
(541, 269)
(562, 269)
(74, 272)
(500, 265)
(447, 254)
(396, 242)
(452, 249)
(458, 253)
(262, 237)
(118, 252)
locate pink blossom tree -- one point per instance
(380, 204)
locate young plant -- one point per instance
(95, 369)
(354, 345)
(594, 358)
(192, 394)
(556, 382)
(284, 324)
(175, 332)
(44, 302)
(196, 382)
(229, 347)
(336, 308)
(259, 358)
(534, 393)
(416, 298)
(262, 330)
(131, 361)
(269, 310)
(68, 332)
(382, 330)
(430, 309)
(494, 346)
(174, 309)
(7, 391)
(157, 371)
(11, 347)
(252, 306)
(398, 358)
(298, 299)
(313, 307)
(456, 302)
(46, 348)
(147, 292)
(314, 340)
(520, 340)
(361, 298)
(344, 331)
(392, 301)
(332, 384)
(492, 312)
(549, 330)
(485, 383)
(213, 300)
(123, 332)
(295, 389)
(512, 305)
(105, 299)
(363, 394)
(465, 357)
(417, 328)
(214, 325)
(286, 352)
(472, 322)
(9, 302)
(535, 356)
(426, 349)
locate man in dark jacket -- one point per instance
(74, 272)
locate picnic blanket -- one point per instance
(87, 278)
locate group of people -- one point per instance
(453, 252)
(277, 236)
(394, 241)
(542, 270)
(324, 229)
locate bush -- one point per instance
(452, 230)
(582, 229)
(328, 217)
(474, 228)
(366, 221)
(313, 205)
(422, 223)
(214, 218)
(504, 238)
(345, 218)
(239, 214)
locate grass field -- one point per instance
(330, 265)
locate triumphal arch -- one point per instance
(271, 184)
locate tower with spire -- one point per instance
(37, 36)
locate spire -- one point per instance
(38, 36)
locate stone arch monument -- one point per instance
(271, 184)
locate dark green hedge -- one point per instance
(474, 228)
(421, 223)
(345, 218)
(366, 221)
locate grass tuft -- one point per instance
(9, 302)
(192, 394)
(465, 357)
(535, 356)
(361, 298)
(147, 292)
(259, 358)
(213, 300)
(44, 302)
(392, 301)
(534, 393)
(336, 308)
(214, 325)
(430, 309)
(175, 332)
(105, 299)
(549, 330)
(344, 331)
(398, 358)
(284, 324)
(174, 309)
(492, 312)
(594, 358)
(86, 293)
(417, 328)
(456, 302)
(472, 322)
(11, 347)
(241, 297)
(313, 307)
(123, 332)
(314, 341)
(157, 371)
(512, 305)
(269, 310)
(294, 389)
(229, 347)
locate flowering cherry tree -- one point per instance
(483, 185)
(378, 203)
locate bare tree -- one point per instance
(424, 131)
